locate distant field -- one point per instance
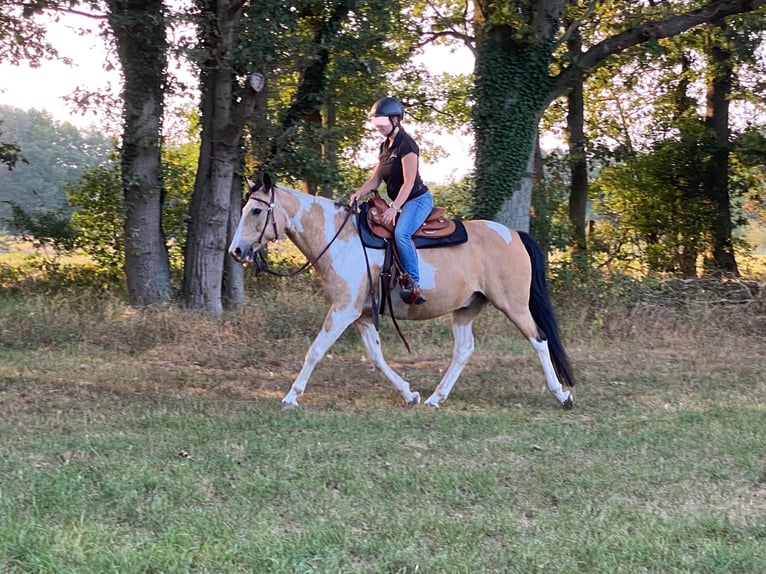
(154, 441)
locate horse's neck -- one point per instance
(311, 221)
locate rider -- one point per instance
(411, 200)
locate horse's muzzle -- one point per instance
(241, 256)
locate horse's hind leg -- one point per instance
(462, 331)
(526, 324)
(371, 340)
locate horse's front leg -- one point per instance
(335, 323)
(371, 339)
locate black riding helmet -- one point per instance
(387, 106)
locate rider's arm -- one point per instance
(409, 173)
(369, 186)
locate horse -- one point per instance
(496, 265)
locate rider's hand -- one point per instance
(357, 195)
(389, 215)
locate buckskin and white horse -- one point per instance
(496, 265)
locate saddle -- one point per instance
(436, 231)
(435, 225)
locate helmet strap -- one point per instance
(394, 125)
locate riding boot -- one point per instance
(411, 293)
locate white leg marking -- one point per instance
(554, 386)
(371, 341)
(334, 324)
(462, 351)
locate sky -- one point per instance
(47, 87)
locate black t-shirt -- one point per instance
(391, 165)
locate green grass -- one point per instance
(154, 442)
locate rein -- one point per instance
(262, 265)
(260, 261)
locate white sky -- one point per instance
(46, 88)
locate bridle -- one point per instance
(269, 214)
(258, 258)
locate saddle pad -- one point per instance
(373, 242)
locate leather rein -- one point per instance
(260, 261)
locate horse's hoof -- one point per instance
(433, 405)
(289, 405)
(415, 400)
(568, 404)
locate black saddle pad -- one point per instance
(374, 242)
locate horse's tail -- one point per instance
(542, 311)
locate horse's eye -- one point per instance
(257, 211)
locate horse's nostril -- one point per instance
(237, 252)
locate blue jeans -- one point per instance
(414, 213)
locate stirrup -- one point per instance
(412, 294)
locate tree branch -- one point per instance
(469, 41)
(649, 31)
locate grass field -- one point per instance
(154, 441)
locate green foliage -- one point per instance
(654, 207)
(179, 167)
(44, 227)
(549, 223)
(100, 214)
(10, 153)
(22, 36)
(455, 197)
(511, 86)
(100, 209)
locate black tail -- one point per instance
(542, 311)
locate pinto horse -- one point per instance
(496, 265)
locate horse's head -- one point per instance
(257, 224)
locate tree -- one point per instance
(10, 154)
(226, 105)
(578, 169)
(306, 54)
(515, 43)
(22, 38)
(655, 205)
(54, 153)
(138, 27)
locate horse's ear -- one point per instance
(267, 183)
(250, 184)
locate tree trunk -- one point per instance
(511, 86)
(234, 272)
(223, 121)
(578, 166)
(509, 98)
(330, 147)
(139, 31)
(717, 172)
(515, 211)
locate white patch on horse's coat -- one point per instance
(500, 229)
(305, 202)
(427, 274)
(554, 386)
